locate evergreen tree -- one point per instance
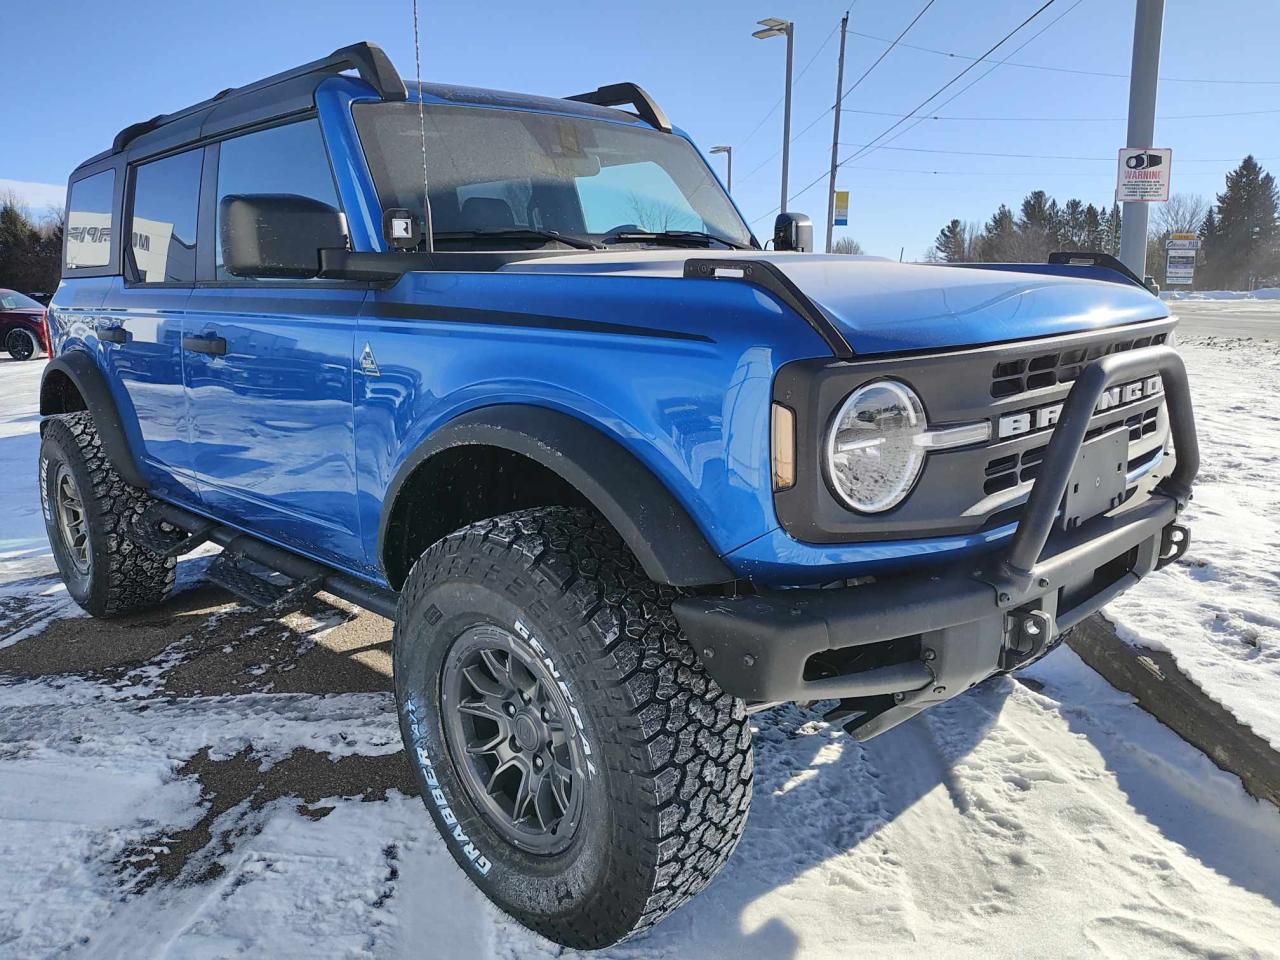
(1072, 234)
(1000, 237)
(1094, 228)
(19, 248)
(1208, 272)
(1243, 244)
(952, 242)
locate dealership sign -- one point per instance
(1142, 175)
(1180, 267)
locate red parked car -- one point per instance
(24, 329)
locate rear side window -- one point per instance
(162, 229)
(89, 226)
(290, 159)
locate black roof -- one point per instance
(293, 91)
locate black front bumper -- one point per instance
(891, 648)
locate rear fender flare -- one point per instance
(89, 380)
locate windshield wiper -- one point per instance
(677, 237)
(518, 233)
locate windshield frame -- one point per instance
(390, 197)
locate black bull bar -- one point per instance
(916, 639)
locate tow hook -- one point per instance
(1174, 540)
(1030, 632)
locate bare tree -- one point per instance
(1183, 213)
(656, 216)
(847, 245)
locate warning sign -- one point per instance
(842, 208)
(1142, 175)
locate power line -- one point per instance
(822, 116)
(968, 86)
(1081, 73)
(1026, 156)
(887, 51)
(925, 102)
(774, 108)
(1183, 116)
(933, 96)
(1006, 174)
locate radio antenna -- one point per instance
(428, 239)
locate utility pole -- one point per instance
(1143, 77)
(835, 134)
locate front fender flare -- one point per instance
(653, 523)
(87, 377)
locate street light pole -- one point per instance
(1143, 76)
(775, 27)
(835, 135)
(728, 157)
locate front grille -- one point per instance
(1005, 472)
(1011, 377)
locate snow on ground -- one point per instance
(1263, 293)
(1218, 610)
(205, 782)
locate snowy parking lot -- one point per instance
(204, 781)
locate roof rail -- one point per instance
(618, 94)
(367, 59)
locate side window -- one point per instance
(287, 159)
(89, 226)
(635, 194)
(162, 228)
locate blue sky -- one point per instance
(75, 73)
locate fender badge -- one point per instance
(368, 364)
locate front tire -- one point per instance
(87, 507)
(21, 344)
(535, 636)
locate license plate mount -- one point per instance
(1098, 481)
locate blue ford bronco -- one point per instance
(513, 372)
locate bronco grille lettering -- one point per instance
(1043, 418)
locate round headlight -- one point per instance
(874, 451)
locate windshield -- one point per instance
(493, 170)
(12, 300)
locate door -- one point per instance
(268, 368)
(139, 328)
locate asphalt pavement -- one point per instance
(1228, 318)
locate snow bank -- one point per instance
(1265, 293)
(1218, 611)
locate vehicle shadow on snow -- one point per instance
(821, 800)
(1178, 790)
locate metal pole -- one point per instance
(835, 134)
(728, 156)
(1143, 76)
(786, 116)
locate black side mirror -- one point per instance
(793, 231)
(277, 235)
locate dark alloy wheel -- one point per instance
(73, 524)
(584, 771)
(506, 728)
(21, 344)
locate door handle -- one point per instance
(211, 345)
(112, 334)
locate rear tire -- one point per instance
(656, 756)
(21, 344)
(87, 507)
